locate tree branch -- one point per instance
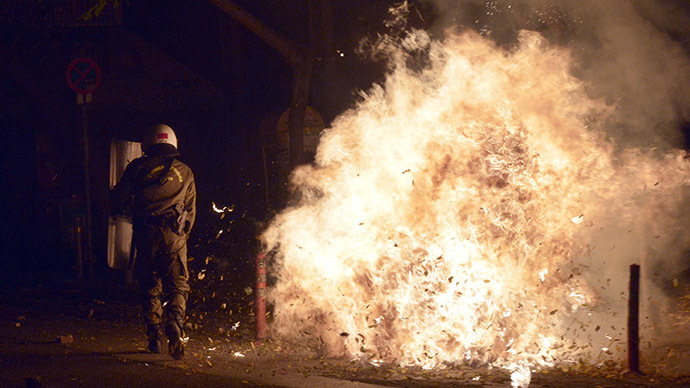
(291, 51)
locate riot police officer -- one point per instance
(158, 191)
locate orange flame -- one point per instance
(451, 217)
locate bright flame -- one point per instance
(223, 209)
(520, 377)
(437, 207)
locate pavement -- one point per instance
(57, 332)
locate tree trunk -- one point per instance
(300, 99)
(321, 30)
(299, 58)
(285, 46)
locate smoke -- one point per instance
(633, 54)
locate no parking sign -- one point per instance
(83, 75)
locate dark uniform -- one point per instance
(158, 191)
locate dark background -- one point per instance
(183, 63)
(186, 64)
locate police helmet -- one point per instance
(157, 134)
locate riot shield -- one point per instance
(120, 227)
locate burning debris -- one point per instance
(491, 247)
(221, 269)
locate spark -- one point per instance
(225, 209)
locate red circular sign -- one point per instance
(83, 75)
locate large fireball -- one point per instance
(466, 213)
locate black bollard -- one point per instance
(634, 320)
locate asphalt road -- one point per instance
(107, 349)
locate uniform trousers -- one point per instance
(161, 271)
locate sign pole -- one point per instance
(87, 197)
(83, 75)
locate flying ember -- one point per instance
(465, 213)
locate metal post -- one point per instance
(88, 256)
(634, 320)
(261, 296)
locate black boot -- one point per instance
(155, 334)
(175, 341)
